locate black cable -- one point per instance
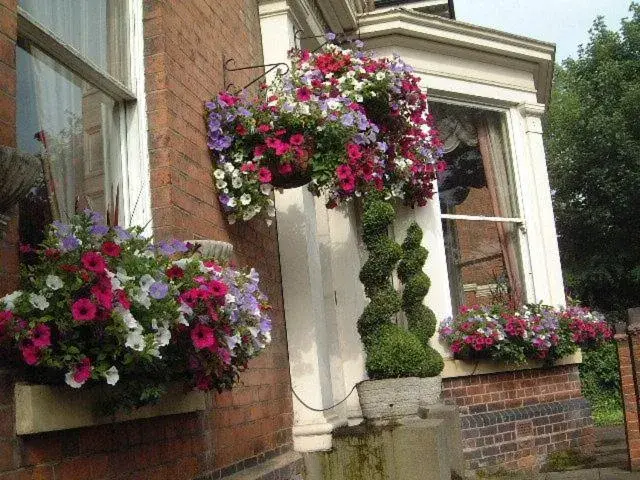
(322, 409)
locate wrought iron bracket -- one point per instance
(229, 65)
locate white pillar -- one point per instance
(346, 258)
(541, 229)
(439, 296)
(308, 329)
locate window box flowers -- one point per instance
(340, 120)
(515, 336)
(103, 305)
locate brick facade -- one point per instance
(628, 344)
(512, 421)
(184, 46)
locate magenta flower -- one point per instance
(296, 139)
(93, 262)
(83, 310)
(83, 371)
(264, 175)
(203, 337)
(41, 336)
(303, 94)
(30, 353)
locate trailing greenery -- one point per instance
(391, 350)
(601, 384)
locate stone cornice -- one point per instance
(474, 40)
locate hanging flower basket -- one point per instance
(341, 121)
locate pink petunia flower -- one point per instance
(296, 139)
(93, 262)
(285, 169)
(41, 336)
(264, 175)
(83, 371)
(30, 353)
(83, 310)
(343, 172)
(203, 337)
(111, 249)
(303, 94)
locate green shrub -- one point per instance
(601, 383)
(391, 350)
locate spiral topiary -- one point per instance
(391, 350)
(420, 318)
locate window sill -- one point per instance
(45, 408)
(460, 368)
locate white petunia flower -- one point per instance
(135, 340)
(10, 300)
(54, 282)
(220, 184)
(380, 76)
(112, 376)
(182, 319)
(38, 301)
(146, 281)
(218, 174)
(142, 298)
(163, 335)
(232, 202)
(228, 167)
(69, 380)
(245, 199)
(266, 188)
(236, 182)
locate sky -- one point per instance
(563, 22)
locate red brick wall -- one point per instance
(513, 420)
(8, 35)
(629, 360)
(184, 45)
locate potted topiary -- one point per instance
(403, 368)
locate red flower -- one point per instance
(279, 133)
(240, 130)
(51, 253)
(94, 262)
(203, 382)
(264, 175)
(30, 353)
(83, 371)
(175, 272)
(305, 55)
(69, 268)
(122, 299)
(41, 336)
(263, 128)
(303, 94)
(296, 139)
(203, 337)
(285, 169)
(259, 150)
(343, 172)
(111, 249)
(248, 167)
(102, 293)
(348, 185)
(354, 151)
(83, 310)
(281, 147)
(217, 289)
(228, 99)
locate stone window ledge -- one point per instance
(462, 368)
(45, 408)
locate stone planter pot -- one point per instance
(397, 397)
(221, 251)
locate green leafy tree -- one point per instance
(593, 149)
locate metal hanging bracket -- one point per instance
(228, 65)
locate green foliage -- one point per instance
(593, 149)
(391, 350)
(564, 460)
(601, 383)
(421, 320)
(395, 352)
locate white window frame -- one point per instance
(523, 239)
(134, 154)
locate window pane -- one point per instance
(98, 29)
(75, 126)
(483, 261)
(479, 178)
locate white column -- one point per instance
(346, 259)
(439, 296)
(308, 334)
(541, 229)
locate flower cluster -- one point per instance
(223, 320)
(345, 122)
(588, 328)
(537, 332)
(104, 304)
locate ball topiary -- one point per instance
(420, 318)
(395, 353)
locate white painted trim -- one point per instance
(50, 43)
(478, 218)
(137, 194)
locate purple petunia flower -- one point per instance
(347, 120)
(222, 143)
(70, 243)
(99, 230)
(158, 290)
(62, 229)
(330, 36)
(360, 139)
(166, 248)
(122, 233)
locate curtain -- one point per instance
(498, 182)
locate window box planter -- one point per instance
(46, 408)
(465, 368)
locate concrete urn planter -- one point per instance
(397, 397)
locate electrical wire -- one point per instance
(322, 409)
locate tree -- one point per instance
(593, 150)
